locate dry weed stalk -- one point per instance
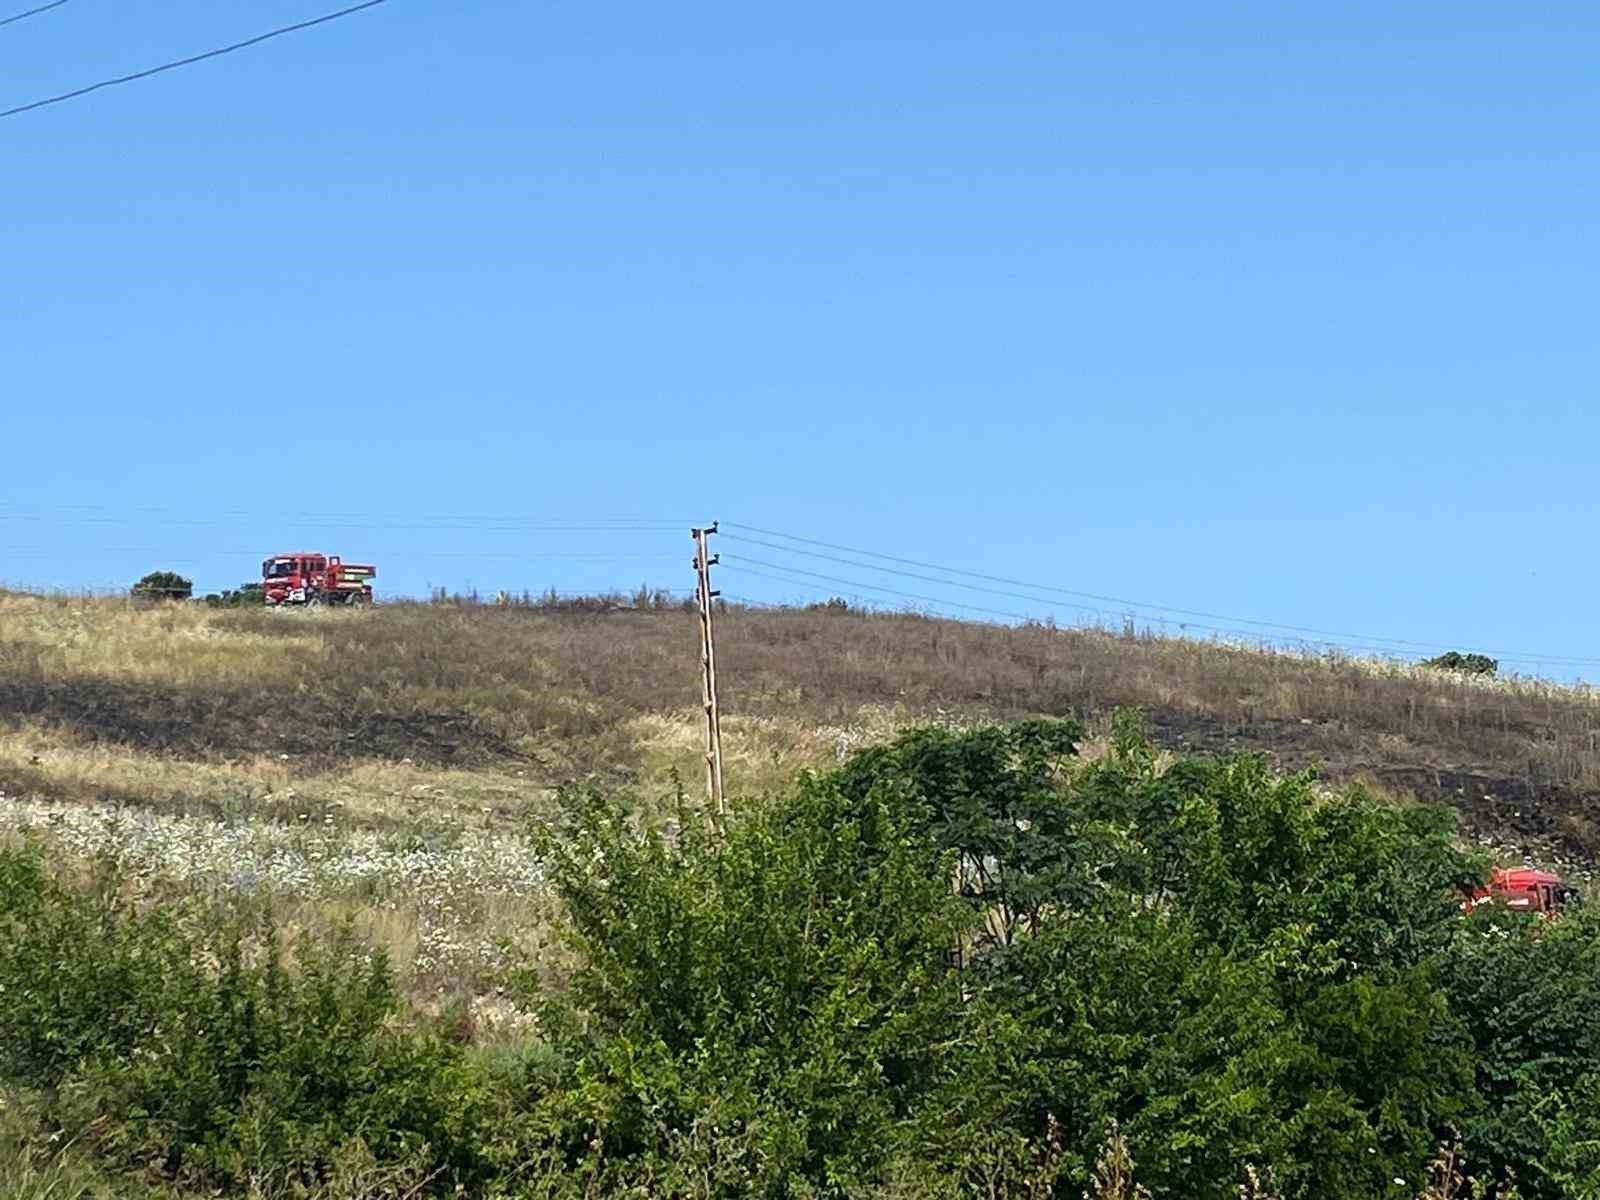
(1257, 1186)
(1113, 1171)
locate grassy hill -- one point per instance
(192, 711)
(376, 772)
(381, 765)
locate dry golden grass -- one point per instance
(122, 639)
(49, 762)
(484, 707)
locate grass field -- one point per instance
(380, 766)
(204, 712)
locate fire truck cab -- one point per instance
(311, 578)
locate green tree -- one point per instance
(993, 797)
(788, 974)
(1465, 664)
(163, 585)
(1529, 993)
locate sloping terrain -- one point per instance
(183, 707)
(379, 785)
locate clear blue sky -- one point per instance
(1285, 312)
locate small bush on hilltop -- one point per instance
(249, 595)
(1464, 664)
(162, 585)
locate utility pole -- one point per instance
(708, 663)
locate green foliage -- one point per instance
(195, 1047)
(1232, 965)
(993, 797)
(163, 585)
(247, 595)
(1529, 991)
(786, 976)
(964, 963)
(1466, 664)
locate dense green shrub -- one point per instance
(247, 595)
(787, 979)
(1239, 970)
(1231, 966)
(163, 585)
(1465, 664)
(193, 1046)
(993, 797)
(1529, 993)
(964, 963)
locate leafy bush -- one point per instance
(247, 595)
(1230, 966)
(964, 963)
(1238, 970)
(163, 585)
(1529, 993)
(195, 1047)
(1465, 664)
(992, 797)
(786, 979)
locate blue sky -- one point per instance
(1283, 312)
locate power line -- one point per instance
(971, 587)
(868, 586)
(210, 554)
(1379, 651)
(476, 525)
(815, 594)
(1040, 587)
(191, 60)
(769, 606)
(1386, 645)
(243, 514)
(32, 12)
(1054, 603)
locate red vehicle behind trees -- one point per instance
(311, 579)
(1524, 889)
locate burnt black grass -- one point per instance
(554, 688)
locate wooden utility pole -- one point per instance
(708, 663)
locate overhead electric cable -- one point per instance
(12, 508)
(740, 558)
(1324, 636)
(818, 595)
(291, 522)
(192, 59)
(727, 558)
(736, 562)
(253, 555)
(850, 562)
(32, 12)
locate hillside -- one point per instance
(293, 906)
(193, 711)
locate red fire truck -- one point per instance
(1524, 890)
(307, 578)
